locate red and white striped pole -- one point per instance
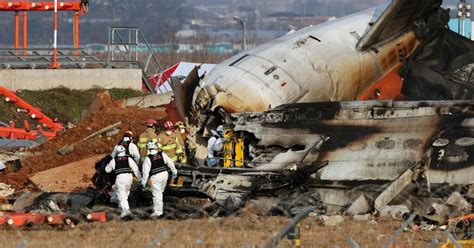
(55, 64)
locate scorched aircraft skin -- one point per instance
(321, 71)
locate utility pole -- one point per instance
(243, 25)
(464, 12)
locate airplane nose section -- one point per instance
(236, 90)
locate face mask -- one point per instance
(169, 132)
(182, 130)
(127, 139)
(153, 152)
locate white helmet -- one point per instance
(121, 151)
(220, 129)
(152, 147)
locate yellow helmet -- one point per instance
(228, 133)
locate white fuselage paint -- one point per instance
(319, 63)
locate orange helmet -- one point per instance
(169, 125)
(151, 123)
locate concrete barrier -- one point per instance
(79, 79)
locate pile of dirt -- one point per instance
(133, 119)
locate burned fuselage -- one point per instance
(293, 101)
(335, 61)
(364, 141)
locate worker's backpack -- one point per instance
(102, 180)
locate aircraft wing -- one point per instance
(397, 19)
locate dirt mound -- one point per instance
(133, 119)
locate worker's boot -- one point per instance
(155, 215)
(125, 214)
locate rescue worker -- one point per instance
(145, 137)
(123, 166)
(130, 147)
(180, 133)
(214, 146)
(154, 168)
(132, 151)
(168, 142)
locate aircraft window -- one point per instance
(298, 148)
(385, 144)
(239, 59)
(270, 70)
(413, 143)
(314, 38)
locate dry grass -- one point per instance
(225, 232)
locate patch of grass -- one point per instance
(118, 94)
(62, 103)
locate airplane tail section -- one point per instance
(402, 16)
(183, 92)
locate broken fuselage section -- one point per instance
(364, 140)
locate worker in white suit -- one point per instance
(154, 168)
(123, 166)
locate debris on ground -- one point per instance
(331, 220)
(6, 190)
(460, 205)
(396, 212)
(46, 157)
(70, 147)
(360, 206)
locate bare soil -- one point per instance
(133, 119)
(209, 232)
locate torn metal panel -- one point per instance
(393, 190)
(374, 140)
(183, 92)
(9, 144)
(441, 69)
(397, 18)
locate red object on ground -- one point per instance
(97, 217)
(22, 219)
(56, 219)
(34, 113)
(463, 218)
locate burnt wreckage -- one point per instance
(304, 129)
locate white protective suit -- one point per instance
(123, 182)
(132, 150)
(214, 144)
(158, 182)
(135, 154)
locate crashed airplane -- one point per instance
(296, 101)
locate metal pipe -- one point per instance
(55, 64)
(17, 30)
(25, 32)
(76, 33)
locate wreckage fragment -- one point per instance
(362, 141)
